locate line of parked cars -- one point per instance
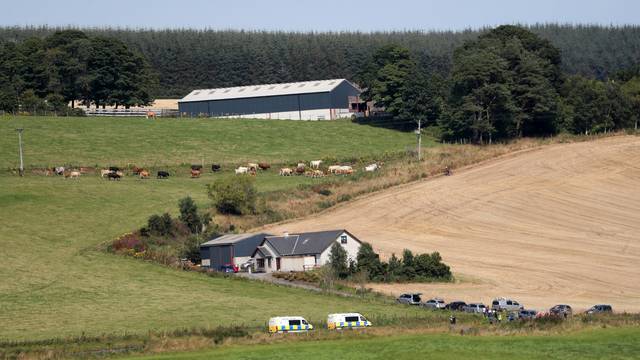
(497, 305)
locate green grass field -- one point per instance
(611, 343)
(56, 283)
(120, 141)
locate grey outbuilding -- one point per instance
(307, 100)
(230, 249)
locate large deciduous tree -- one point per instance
(504, 84)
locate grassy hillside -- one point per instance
(55, 281)
(103, 141)
(609, 343)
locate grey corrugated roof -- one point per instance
(229, 239)
(304, 87)
(303, 243)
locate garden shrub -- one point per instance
(236, 195)
(160, 224)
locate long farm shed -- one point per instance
(308, 100)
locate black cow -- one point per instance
(114, 168)
(196, 167)
(113, 176)
(215, 167)
(163, 174)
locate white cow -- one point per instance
(74, 175)
(371, 168)
(315, 164)
(242, 170)
(252, 166)
(286, 172)
(333, 168)
(104, 172)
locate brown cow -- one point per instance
(144, 174)
(264, 166)
(195, 173)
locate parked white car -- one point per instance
(347, 321)
(284, 324)
(435, 303)
(410, 299)
(500, 304)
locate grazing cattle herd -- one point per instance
(314, 170)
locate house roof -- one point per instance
(251, 91)
(304, 243)
(264, 252)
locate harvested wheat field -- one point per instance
(559, 224)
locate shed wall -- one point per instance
(258, 105)
(220, 255)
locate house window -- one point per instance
(269, 262)
(343, 239)
(260, 263)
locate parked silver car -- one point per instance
(478, 308)
(409, 299)
(597, 309)
(435, 303)
(500, 304)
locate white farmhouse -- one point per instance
(303, 251)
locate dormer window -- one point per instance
(343, 239)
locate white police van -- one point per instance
(347, 321)
(285, 324)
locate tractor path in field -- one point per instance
(556, 225)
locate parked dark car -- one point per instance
(527, 314)
(561, 310)
(456, 306)
(597, 309)
(410, 299)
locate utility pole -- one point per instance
(419, 134)
(19, 130)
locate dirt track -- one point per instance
(556, 225)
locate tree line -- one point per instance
(507, 83)
(185, 59)
(49, 73)
(410, 268)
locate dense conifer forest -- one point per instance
(185, 59)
